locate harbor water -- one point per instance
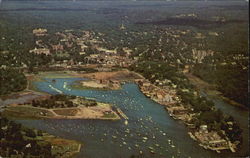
(149, 129)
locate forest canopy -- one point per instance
(11, 80)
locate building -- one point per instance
(57, 47)
(40, 51)
(163, 96)
(40, 32)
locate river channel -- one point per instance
(149, 126)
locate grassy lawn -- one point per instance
(62, 147)
(66, 112)
(27, 112)
(109, 115)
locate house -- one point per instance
(57, 47)
(40, 51)
(203, 129)
(146, 84)
(69, 45)
(40, 32)
(163, 96)
(180, 112)
(218, 143)
(82, 53)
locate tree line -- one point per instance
(17, 140)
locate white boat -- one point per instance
(144, 138)
(126, 122)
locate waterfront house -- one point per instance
(203, 129)
(218, 143)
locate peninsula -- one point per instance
(62, 107)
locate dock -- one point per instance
(119, 111)
(55, 89)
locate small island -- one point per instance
(106, 80)
(98, 85)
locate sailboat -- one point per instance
(126, 122)
(122, 27)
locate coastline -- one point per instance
(169, 106)
(97, 112)
(29, 112)
(183, 115)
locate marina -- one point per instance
(150, 131)
(124, 79)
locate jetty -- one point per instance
(55, 89)
(119, 111)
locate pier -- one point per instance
(119, 111)
(57, 90)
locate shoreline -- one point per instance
(78, 85)
(209, 89)
(185, 117)
(98, 112)
(15, 114)
(170, 105)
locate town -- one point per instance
(85, 50)
(123, 79)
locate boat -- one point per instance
(152, 151)
(126, 122)
(151, 148)
(157, 145)
(144, 138)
